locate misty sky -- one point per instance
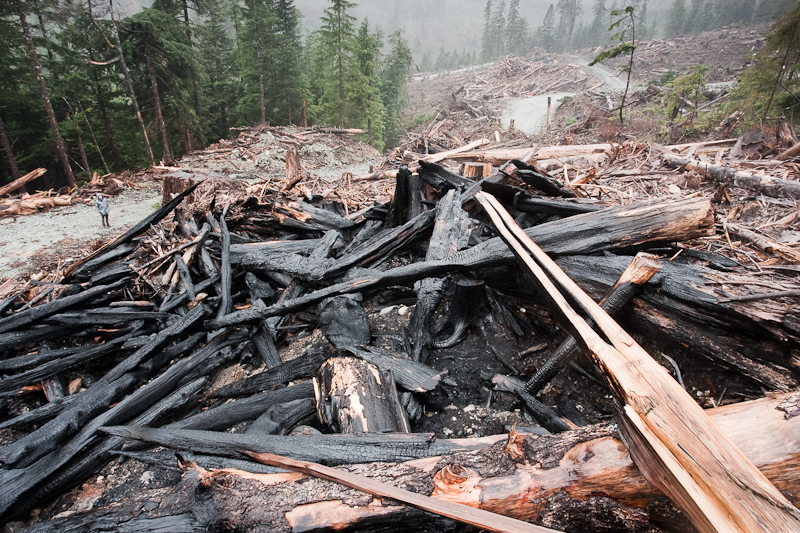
(429, 25)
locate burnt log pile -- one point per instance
(237, 348)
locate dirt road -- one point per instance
(610, 80)
(30, 242)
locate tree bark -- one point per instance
(116, 160)
(131, 92)
(84, 159)
(162, 127)
(48, 107)
(195, 84)
(12, 161)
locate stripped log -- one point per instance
(17, 183)
(775, 187)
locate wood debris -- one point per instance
(248, 306)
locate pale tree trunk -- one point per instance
(48, 107)
(195, 83)
(131, 92)
(151, 71)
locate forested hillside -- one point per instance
(83, 89)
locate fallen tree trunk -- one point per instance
(17, 183)
(680, 310)
(622, 227)
(500, 156)
(584, 479)
(775, 187)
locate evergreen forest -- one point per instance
(84, 89)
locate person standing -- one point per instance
(101, 204)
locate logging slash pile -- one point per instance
(203, 371)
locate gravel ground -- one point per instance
(35, 242)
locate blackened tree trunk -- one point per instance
(12, 161)
(151, 71)
(131, 92)
(195, 82)
(48, 107)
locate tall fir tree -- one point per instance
(676, 19)
(695, 17)
(366, 110)
(395, 74)
(291, 84)
(337, 36)
(497, 31)
(547, 31)
(598, 29)
(217, 54)
(486, 41)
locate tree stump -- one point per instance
(177, 182)
(476, 171)
(354, 396)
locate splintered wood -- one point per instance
(672, 440)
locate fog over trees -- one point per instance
(97, 85)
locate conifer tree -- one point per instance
(337, 42)
(569, 11)
(547, 31)
(497, 29)
(218, 58)
(694, 18)
(599, 25)
(48, 107)
(291, 85)
(367, 111)
(676, 19)
(256, 56)
(395, 74)
(486, 42)
(708, 15)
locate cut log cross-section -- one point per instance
(672, 440)
(354, 396)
